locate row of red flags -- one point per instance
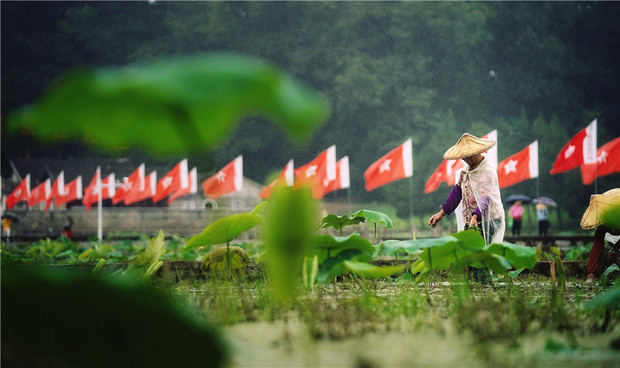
(580, 152)
(323, 174)
(134, 188)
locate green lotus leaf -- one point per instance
(334, 266)
(224, 230)
(147, 262)
(309, 271)
(69, 319)
(484, 258)
(169, 106)
(374, 217)
(397, 247)
(326, 246)
(609, 299)
(520, 256)
(290, 224)
(471, 239)
(338, 222)
(441, 257)
(260, 208)
(371, 271)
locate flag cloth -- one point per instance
(174, 180)
(150, 185)
(607, 162)
(108, 188)
(317, 173)
(91, 192)
(192, 188)
(131, 186)
(228, 180)
(40, 193)
(397, 164)
(58, 190)
(437, 177)
(73, 192)
(581, 149)
(521, 166)
(343, 179)
(20, 193)
(121, 191)
(446, 171)
(286, 177)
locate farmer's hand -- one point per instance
(474, 221)
(436, 218)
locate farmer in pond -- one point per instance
(592, 219)
(476, 190)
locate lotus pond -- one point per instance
(302, 297)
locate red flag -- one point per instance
(58, 189)
(440, 175)
(397, 164)
(108, 188)
(192, 188)
(20, 193)
(607, 162)
(521, 166)
(343, 179)
(317, 173)
(73, 192)
(40, 193)
(227, 180)
(581, 149)
(131, 186)
(91, 192)
(150, 188)
(286, 177)
(176, 179)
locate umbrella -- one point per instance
(518, 197)
(599, 203)
(546, 201)
(12, 216)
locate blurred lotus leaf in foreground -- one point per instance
(180, 104)
(63, 320)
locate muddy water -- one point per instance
(288, 345)
(279, 344)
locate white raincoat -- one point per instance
(480, 186)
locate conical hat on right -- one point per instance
(467, 146)
(599, 203)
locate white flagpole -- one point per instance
(99, 210)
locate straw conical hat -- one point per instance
(468, 146)
(599, 203)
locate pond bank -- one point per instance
(176, 271)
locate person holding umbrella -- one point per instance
(477, 190)
(516, 213)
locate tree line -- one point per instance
(391, 70)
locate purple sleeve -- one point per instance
(478, 212)
(453, 200)
(483, 206)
